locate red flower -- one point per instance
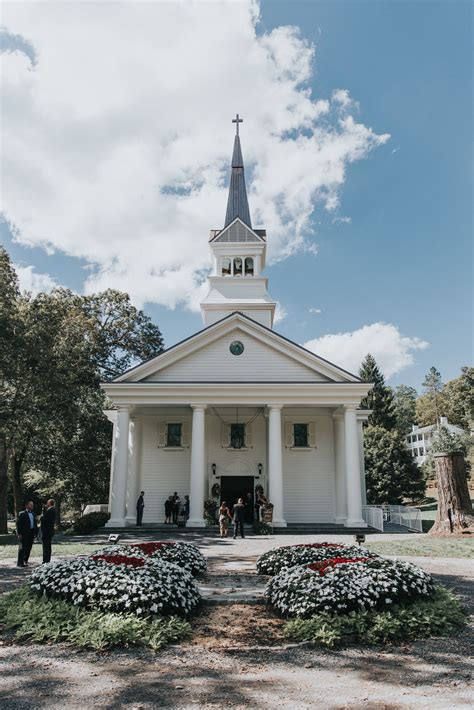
(148, 548)
(120, 560)
(325, 565)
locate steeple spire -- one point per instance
(237, 203)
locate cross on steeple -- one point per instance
(237, 120)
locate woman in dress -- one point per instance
(224, 517)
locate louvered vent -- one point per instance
(237, 233)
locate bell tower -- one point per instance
(239, 254)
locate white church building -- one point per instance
(237, 405)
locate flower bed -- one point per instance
(280, 558)
(347, 585)
(150, 586)
(183, 554)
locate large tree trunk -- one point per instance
(455, 514)
(16, 463)
(3, 484)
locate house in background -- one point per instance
(238, 406)
(420, 439)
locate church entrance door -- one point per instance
(235, 487)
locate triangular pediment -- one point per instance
(208, 356)
(237, 232)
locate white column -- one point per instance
(354, 498)
(120, 467)
(275, 464)
(340, 469)
(134, 445)
(198, 469)
(363, 490)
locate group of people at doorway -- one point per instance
(176, 510)
(242, 511)
(30, 527)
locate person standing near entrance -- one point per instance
(224, 518)
(239, 517)
(47, 529)
(176, 505)
(140, 506)
(27, 531)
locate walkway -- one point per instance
(238, 657)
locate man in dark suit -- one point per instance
(47, 529)
(140, 506)
(27, 531)
(239, 517)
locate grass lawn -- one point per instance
(60, 549)
(425, 546)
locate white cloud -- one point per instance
(314, 310)
(392, 350)
(31, 281)
(116, 142)
(280, 313)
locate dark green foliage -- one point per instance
(88, 523)
(391, 473)
(380, 398)
(440, 615)
(45, 620)
(405, 408)
(58, 347)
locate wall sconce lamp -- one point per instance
(214, 469)
(260, 469)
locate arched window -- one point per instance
(248, 266)
(237, 266)
(226, 267)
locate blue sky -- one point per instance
(405, 257)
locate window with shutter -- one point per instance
(288, 435)
(162, 434)
(173, 435)
(300, 436)
(312, 434)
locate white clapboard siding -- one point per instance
(308, 479)
(215, 362)
(161, 472)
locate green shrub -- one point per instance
(88, 523)
(440, 615)
(45, 620)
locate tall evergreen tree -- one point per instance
(380, 398)
(433, 387)
(405, 408)
(391, 474)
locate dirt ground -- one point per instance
(238, 658)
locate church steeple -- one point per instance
(237, 202)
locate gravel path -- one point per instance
(247, 664)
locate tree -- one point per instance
(52, 405)
(430, 406)
(9, 294)
(391, 473)
(458, 399)
(405, 408)
(380, 398)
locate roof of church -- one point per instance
(356, 378)
(237, 203)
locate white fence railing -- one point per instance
(402, 515)
(373, 516)
(376, 515)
